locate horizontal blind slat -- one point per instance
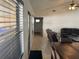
(7, 12)
(9, 42)
(7, 7)
(13, 5)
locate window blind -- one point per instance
(7, 15)
(10, 46)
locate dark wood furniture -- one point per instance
(67, 50)
(52, 36)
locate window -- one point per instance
(10, 46)
(7, 16)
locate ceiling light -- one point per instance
(54, 10)
(72, 8)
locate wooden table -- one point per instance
(67, 50)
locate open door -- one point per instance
(38, 25)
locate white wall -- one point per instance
(65, 20)
(27, 7)
(31, 31)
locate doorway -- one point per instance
(38, 26)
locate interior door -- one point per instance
(38, 25)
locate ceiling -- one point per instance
(46, 7)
